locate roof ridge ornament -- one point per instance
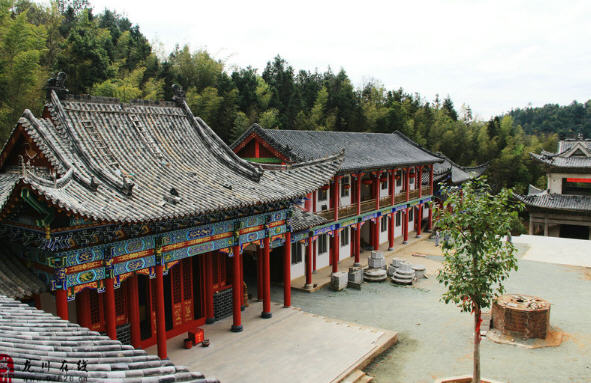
(58, 85)
(178, 94)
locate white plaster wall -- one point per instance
(345, 200)
(326, 202)
(384, 235)
(555, 180)
(298, 269)
(345, 251)
(398, 229)
(384, 192)
(399, 188)
(322, 260)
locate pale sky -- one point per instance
(491, 55)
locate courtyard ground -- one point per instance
(435, 339)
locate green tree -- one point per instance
(477, 259)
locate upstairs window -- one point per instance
(322, 244)
(345, 186)
(322, 195)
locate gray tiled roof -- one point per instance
(149, 161)
(362, 150)
(16, 281)
(30, 334)
(457, 173)
(562, 158)
(544, 200)
(302, 220)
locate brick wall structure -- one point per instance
(521, 316)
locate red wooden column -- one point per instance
(376, 234)
(37, 300)
(419, 219)
(308, 263)
(209, 312)
(267, 280)
(420, 181)
(405, 228)
(337, 197)
(260, 273)
(358, 193)
(430, 220)
(61, 303)
(391, 225)
(109, 302)
(83, 308)
(236, 314)
(160, 319)
(314, 201)
(378, 187)
(407, 183)
(287, 270)
(393, 186)
(134, 310)
(431, 179)
(308, 202)
(336, 246)
(256, 148)
(358, 244)
(242, 303)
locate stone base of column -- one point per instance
(210, 320)
(418, 236)
(265, 315)
(390, 248)
(357, 265)
(308, 286)
(236, 328)
(404, 242)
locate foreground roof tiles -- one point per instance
(16, 280)
(456, 173)
(57, 350)
(362, 150)
(302, 220)
(148, 161)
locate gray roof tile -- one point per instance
(16, 280)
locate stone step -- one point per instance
(354, 377)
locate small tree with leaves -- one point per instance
(477, 257)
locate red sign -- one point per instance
(582, 180)
(6, 368)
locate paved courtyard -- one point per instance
(435, 339)
(292, 347)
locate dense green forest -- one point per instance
(106, 54)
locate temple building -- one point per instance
(132, 218)
(563, 209)
(376, 195)
(449, 173)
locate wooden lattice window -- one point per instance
(119, 302)
(187, 285)
(95, 311)
(176, 284)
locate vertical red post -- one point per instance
(376, 234)
(242, 302)
(236, 314)
(61, 303)
(308, 263)
(336, 249)
(405, 228)
(267, 282)
(260, 273)
(83, 308)
(109, 302)
(358, 244)
(314, 198)
(391, 225)
(160, 319)
(358, 194)
(407, 183)
(134, 310)
(431, 179)
(209, 312)
(378, 188)
(313, 255)
(419, 219)
(308, 202)
(430, 220)
(420, 181)
(287, 270)
(337, 197)
(256, 148)
(393, 186)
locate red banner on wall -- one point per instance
(582, 180)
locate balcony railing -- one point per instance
(385, 201)
(368, 205)
(399, 198)
(414, 194)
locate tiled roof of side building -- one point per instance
(16, 281)
(302, 220)
(458, 173)
(362, 150)
(42, 342)
(544, 200)
(148, 161)
(572, 153)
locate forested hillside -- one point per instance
(106, 54)
(565, 120)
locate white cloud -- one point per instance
(492, 55)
